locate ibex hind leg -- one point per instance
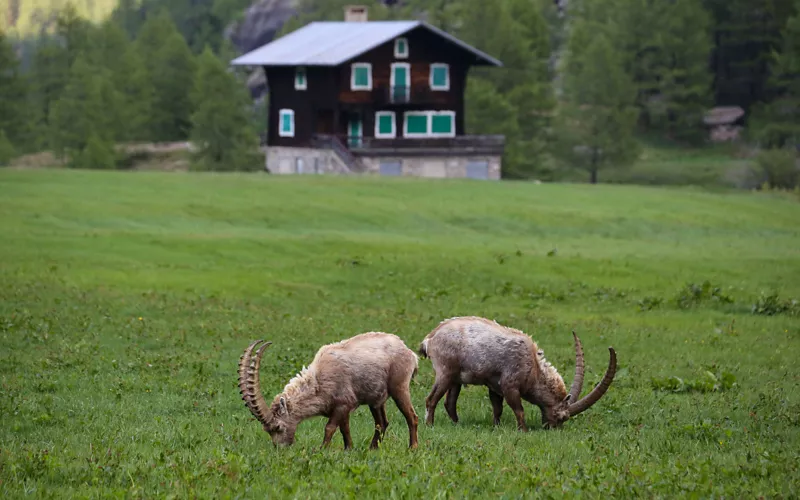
(450, 401)
(440, 386)
(402, 398)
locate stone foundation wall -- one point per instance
(285, 160)
(487, 167)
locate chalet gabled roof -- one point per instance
(331, 43)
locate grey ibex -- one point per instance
(478, 351)
(363, 370)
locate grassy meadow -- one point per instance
(126, 299)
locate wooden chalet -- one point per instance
(383, 97)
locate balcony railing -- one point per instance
(403, 94)
(463, 144)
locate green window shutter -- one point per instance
(385, 124)
(417, 124)
(401, 47)
(300, 78)
(442, 124)
(439, 76)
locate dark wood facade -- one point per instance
(328, 105)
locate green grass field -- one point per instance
(127, 299)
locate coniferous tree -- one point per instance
(221, 128)
(776, 124)
(170, 67)
(86, 109)
(46, 80)
(598, 115)
(14, 118)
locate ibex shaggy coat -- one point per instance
(477, 351)
(364, 370)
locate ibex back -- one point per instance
(478, 351)
(364, 370)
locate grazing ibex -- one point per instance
(363, 370)
(477, 351)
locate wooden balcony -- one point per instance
(385, 95)
(429, 146)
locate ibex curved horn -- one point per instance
(600, 389)
(249, 384)
(577, 382)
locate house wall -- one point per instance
(318, 100)
(425, 48)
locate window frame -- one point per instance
(429, 118)
(452, 115)
(301, 70)
(415, 135)
(406, 84)
(378, 133)
(353, 68)
(398, 54)
(446, 85)
(281, 132)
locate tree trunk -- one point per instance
(594, 175)
(593, 167)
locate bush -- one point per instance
(778, 168)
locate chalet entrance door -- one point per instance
(325, 122)
(355, 131)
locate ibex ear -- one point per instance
(283, 410)
(566, 399)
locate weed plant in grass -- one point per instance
(127, 298)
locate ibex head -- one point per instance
(555, 416)
(277, 419)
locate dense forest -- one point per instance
(578, 86)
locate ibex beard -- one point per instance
(363, 370)
(478, 351)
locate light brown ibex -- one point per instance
(363, 370)
(478, 351)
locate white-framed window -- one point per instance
(429, 124)
(361, 76)
(400, 82)
(440, 76)
(385, 125)
(286, 123)
(416, 124)
(443, 124)
(401, 48)
(300, 81)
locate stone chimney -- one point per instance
(355, 13)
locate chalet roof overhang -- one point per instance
(331, 43)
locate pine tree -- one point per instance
(115, 55)
(14, 118)
(221, 127)
(666, 47)
(86, 109)
(46, 80)
(75, 32)
(777, 124)
(170, 67)
(598, 116)
(488, 112)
